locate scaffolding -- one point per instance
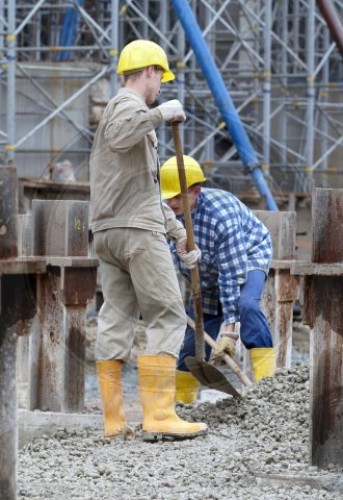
(277, 58)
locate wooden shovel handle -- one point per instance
(195, 277)
(183, 185)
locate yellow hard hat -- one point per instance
(141, 54)
(170, 184)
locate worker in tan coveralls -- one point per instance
(137, 272)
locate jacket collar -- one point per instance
(125, 91)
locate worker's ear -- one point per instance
(150, 70)
(197, 190)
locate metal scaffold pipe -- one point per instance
(114, 45)
(331, 16)
(11, 81)
(223, 99)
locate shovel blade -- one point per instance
(210, 376)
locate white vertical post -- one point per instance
(164, 29)
(11, 82)
(2, 29)
(181, 73)
(284, 60)
(323, 117)
(267, 85)
(114, 46)
(310, 41)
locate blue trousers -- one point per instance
(254, 329)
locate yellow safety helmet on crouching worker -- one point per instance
(170, 184)
(140, 54)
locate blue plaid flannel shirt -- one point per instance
(232, 242)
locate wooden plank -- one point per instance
(321, 269)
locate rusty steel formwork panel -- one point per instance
(324, 298)
(46, 346)
(52, 287)
(281, 226)
(281, 289)
(77, 285)
(8, 412)
(327, 216)
(60, 228)
(327, 371)
(57, 344)
(57, 350)
(8, 212)
(280, 293)
(17, 310)
(287, 291)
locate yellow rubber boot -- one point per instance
(263, 360)
(156, 377)
(111, 390)
(187, 387)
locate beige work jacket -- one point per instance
(124, 166)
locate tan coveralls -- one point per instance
(129, 226)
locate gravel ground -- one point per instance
(257, 448)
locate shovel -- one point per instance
(205, 373)
(231, 363)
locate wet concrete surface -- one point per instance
(257, 448)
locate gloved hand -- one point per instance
(172, 111)
(226, 344)
(191, 258)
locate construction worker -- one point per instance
(235, 252)
(136, 267)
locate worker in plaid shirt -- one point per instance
(236, 249)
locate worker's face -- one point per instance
(153, 89)
(176, 203)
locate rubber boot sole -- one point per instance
(126, 433)
(153, 437)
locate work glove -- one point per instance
(225, 345)
(172, 111)
(190, 259)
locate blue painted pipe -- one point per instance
(223, 99)
(68, 33)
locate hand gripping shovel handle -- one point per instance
(195, 278)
